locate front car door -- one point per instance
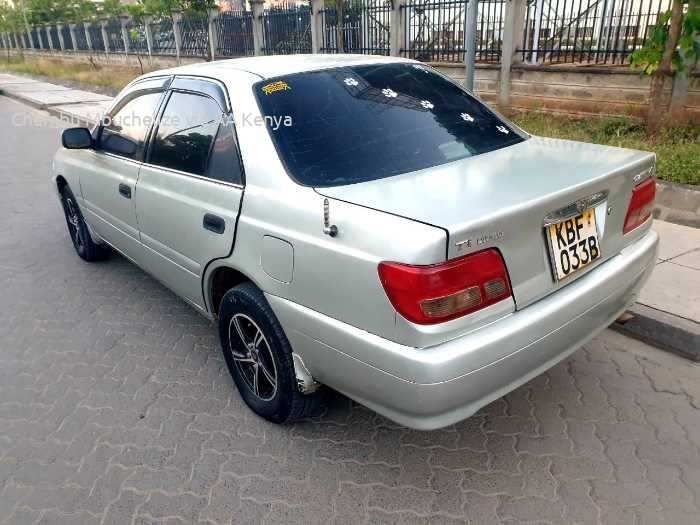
(190, 187)
(109, 183)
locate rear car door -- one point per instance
(108, 183)
(190, 187)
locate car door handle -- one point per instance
(214, 223)
(125, 191)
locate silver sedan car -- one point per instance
(362, 223)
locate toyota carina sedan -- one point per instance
(362, 223)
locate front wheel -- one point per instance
(84, 246)
(259, 357)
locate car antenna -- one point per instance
(328, 229)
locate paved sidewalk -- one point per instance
(671, 298)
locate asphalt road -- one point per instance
(116, 407)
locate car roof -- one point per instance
(276, 65)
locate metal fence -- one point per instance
(163, 37)
(115, 39)
(194, 32)
(98, 42)
(67, 40)
(136, 33)
(554, 31)
(584, 31)
(287, 30)
(435, 30)
(364, 28)
(234, 34)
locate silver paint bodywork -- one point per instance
(325, 290)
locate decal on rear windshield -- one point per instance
(280, 85)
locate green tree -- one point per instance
(673, 47)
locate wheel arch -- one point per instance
(220, 280)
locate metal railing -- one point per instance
(234, 34)
(588, 31)
(554, 31)
(194, 34)
(286, 30)
(436, 28)
(364, 28)
(163, 36)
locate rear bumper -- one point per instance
(433, 387)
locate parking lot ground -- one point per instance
(116, 407)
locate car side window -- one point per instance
(186, 133)
(124, 129)
(224, 163)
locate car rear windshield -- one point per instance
(354, 124)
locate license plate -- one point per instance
(573, 244)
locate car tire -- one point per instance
(85, 247)
(259, 358)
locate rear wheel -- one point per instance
(85, 247)
(259, 357)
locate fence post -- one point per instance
(71, 30)
(397, 28)
(124, 22)
(177, 16)
(47, 30)
(317, 7)
(470, 43)
(512, 39)
(213, 35)
(88, 38)
(147, 21)
(105, 34)
(257, 7)
(59, 30)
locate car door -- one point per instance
(108, 183)
(190, 187)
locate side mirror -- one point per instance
(76, 138)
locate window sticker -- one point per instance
(389, 93)
(467, 117)
(351, 82)
(503, 129)
(280, 85)
(427, 104)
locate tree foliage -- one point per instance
(687, 48)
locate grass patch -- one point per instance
(113, 77)
(677, 148)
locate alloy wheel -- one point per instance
(256, 363)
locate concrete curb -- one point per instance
(662, 330)
(677, 203)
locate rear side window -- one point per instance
(186, 133)
(361, 123)
(224, 163)
(124, 130)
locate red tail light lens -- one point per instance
(641, 205)
(439, 292)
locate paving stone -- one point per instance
(115, 405)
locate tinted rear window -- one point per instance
(361, 123)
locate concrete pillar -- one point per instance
(124, 21)
(512, 40)
(213, 34)
(47, 28)
(147, 21)
(71, 29)
(681, 80)
(177, 16)
(397, 35)
(258, 40)
(105, 35)
(59, 29)
(317, 25)
(88, 38)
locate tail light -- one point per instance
(641, 205)
(439, 292)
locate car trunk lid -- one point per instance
(501, 199)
